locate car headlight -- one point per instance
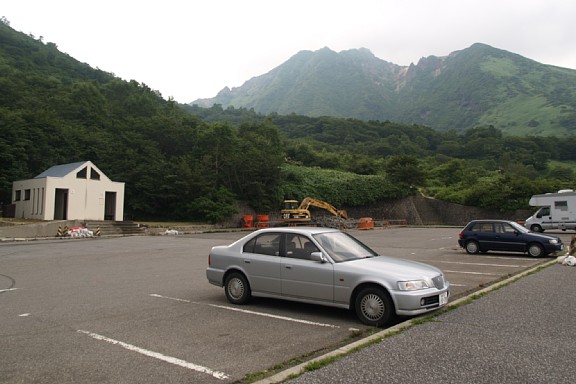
(553, 241)
(414, 285)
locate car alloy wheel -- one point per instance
(472, 247)
(237, 288)
(374, 307)
(535, 250)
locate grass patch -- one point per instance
(260, 375)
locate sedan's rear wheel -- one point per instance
(535, 250)
(472, 247)
(237, 288)
(374, 307)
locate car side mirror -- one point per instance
(317, 256)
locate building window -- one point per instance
(17, 195)
(94, 175)
(26, 194)
(82, 173)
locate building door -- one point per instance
(61, 204)
(110, 206)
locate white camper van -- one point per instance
(558, 211)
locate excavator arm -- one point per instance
(309, 201)
(294, 214)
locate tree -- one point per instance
(257, 166)
(406, 170)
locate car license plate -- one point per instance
(444, 298)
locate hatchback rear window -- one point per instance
(482, 227)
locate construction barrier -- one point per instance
(247, 221)
(262, 221)
(59, 233)
(97, 231)
(365, 223)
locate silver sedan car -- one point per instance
(328, 267)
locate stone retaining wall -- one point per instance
(42, 229)
(415, 210)
(419, 210)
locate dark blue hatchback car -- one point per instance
(506, 236)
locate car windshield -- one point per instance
(343, 247)
(518, 227)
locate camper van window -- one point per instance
(561, 205)
(543, 212)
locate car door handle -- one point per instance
(288, 266)
(246, 261)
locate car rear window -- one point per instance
(266, 244)
(482, 227)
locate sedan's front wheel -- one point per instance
(237, 288)
(535, 250)
(374, 306)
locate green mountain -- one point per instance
(182, 162)
(477, 86)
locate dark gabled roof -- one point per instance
(60, 170)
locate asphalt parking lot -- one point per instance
(139, 309)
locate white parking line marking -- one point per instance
(457, 285)
(250, 312)
(169, 298)
(8, 290)
(24, 315)
(274, 316)
(519, 257)
(168, 359)
(474, 273)
(482, 264)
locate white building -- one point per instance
(76, 191)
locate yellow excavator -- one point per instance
(294, 213)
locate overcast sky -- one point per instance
(190, 49)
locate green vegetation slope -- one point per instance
(189, 163)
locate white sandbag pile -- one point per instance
(80, 232)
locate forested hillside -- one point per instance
(56, 110)
(478, 167)
(479, 85)
(189, 163)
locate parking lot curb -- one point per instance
(301, 368)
